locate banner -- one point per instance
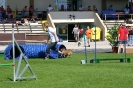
(15, 12)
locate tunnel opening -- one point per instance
(17, 52)
(62, 46)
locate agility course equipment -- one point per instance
(17, 74)
(105, 59)
(97, 60)
(9, 64)
(32, 51)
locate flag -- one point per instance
(15, 12)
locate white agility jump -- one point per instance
(18, 75)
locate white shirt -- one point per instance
(75, 29)
(127, 11)
(50, 8)
(51, 34)
(81, 8)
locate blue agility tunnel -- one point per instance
(32, 51)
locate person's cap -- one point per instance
(122, 24)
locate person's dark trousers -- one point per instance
(127, 17)
(51, 46)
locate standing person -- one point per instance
(95, 9)
(110, 8)
(81, 33)
(54, 39)
(130, 40)
(81, 8)
(62, 8)
(50, 8)
(127, 12)
(88, 35)
(31, 11)
(76, 32)
(9, 11)
(122, 37)
(23, 11)
(2, 10)
(89, 8)
(69, 7)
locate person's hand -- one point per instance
(45, 42)
(57, 40)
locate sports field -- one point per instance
(70, 73)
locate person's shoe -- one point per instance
(47, 57)
(79, 44)
(59, 52)
(88, 45)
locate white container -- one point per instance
(82, 61)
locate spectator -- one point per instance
(34, 16)
(0, 14)
(50, 8)
(62, 8)
(75, 31)
(26, 21)
(69, 8)
(81, 8)
(110, 8)
(132, 8)
(88, 35)
(31, 11)
(2, 10)
(95, 9)
(89, 8)
(127, 12)
(9, 11)
(122, 38)
(23, 11)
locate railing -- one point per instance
(21, 28)
(39, 14)
(117, 16)
(117, 19)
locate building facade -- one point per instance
(41, 5)
(64, 29)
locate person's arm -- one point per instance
(79, 31)
(127, 34)
(72, 30)
(118, 34)
(127, 37)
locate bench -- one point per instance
(109, 14)
(106, 59)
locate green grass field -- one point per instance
(70, 73)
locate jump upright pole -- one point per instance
(125, 43)
(13, 52)
(85, 49)
(95, 43)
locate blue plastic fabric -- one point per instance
(32, 51)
